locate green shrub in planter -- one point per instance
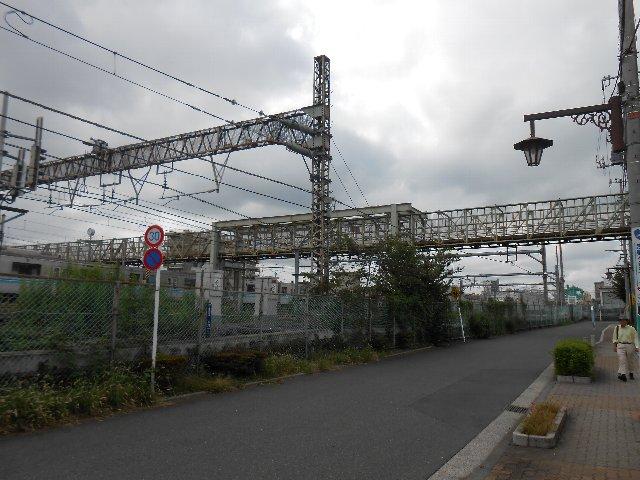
(239, 363)
(573, 357)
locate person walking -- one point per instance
(625, 344)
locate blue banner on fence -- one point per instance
(207, 325)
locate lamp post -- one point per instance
(624, 136)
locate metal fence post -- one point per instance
(115, 312)
(342, 318)
(306, 327)
(260, 308)
(369, 315)
(200, 312)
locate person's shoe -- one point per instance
(622, 377)
(631, 376)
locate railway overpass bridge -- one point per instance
(583, 219)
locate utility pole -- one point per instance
(3, 126)
(545, 276)
(628, 89)
(561, 281)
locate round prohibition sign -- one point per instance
(152, 259)
(154, 236)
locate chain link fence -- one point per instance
(65, 323)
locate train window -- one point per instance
(190, 282)
(134, 277)
(26, 268)
(56, 271)
(251, 287)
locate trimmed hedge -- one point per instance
(573, 357)
(238, 363)
(169, 369)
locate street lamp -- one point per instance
(607, 117)
(533, 147)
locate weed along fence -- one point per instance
(492, 317)
(67, 323)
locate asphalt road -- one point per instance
(400, 418)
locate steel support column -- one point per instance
(321, 161)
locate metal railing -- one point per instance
(595, 217)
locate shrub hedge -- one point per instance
(573, 357)
(238, 363)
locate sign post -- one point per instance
(152, 260)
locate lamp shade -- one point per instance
(533, 148)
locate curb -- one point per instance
(467, 462)
(476, 452)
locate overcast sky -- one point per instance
(427, 101)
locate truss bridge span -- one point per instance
(592, 218)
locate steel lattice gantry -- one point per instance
(305, 131)
(581, 219)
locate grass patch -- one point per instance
(48, 399)
(44, 403)
(540, 420)
(281, 365)
(198, 383)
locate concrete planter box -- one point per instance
(549, 440)
(572, 379)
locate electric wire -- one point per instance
(147, 181)
(130, 135)
(121, 77)
(350, 173)
(154, 69)
(133, 60)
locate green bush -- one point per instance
(169, 369)
(573, 357)
(510, 326)
(479, 326)
(238, 363)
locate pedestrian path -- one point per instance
(601, 439)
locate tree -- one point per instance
(618, 282)
(416, 287)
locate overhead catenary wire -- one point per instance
(140, 63)
(144, 201)
(350, 172)
(130, 135)
(71, 137)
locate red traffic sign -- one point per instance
(154, 236)
(152, 259)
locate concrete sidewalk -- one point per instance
(601, 439)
